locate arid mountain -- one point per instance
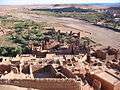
(89, 6)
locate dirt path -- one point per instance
(104, 36)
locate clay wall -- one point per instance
(45, 84)
(105, 85)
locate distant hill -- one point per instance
(114, 8)
(104, 4)
(82, 6)
(88, 6)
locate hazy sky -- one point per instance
(19, 2)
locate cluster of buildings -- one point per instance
(113, 12)
(67, 66)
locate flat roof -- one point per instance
(108, 77)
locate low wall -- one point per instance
(44, 84)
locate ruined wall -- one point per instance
(4, 68)
(45, 84)
(105, 85)
(84, 58)
(117, 86)
(67, 72)
(36, 67)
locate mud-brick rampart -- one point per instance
(44, 84)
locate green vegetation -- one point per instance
(23, 32)
(10, 51)
(70, 9)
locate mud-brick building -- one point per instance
(108, 81)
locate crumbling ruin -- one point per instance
(56, 64)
